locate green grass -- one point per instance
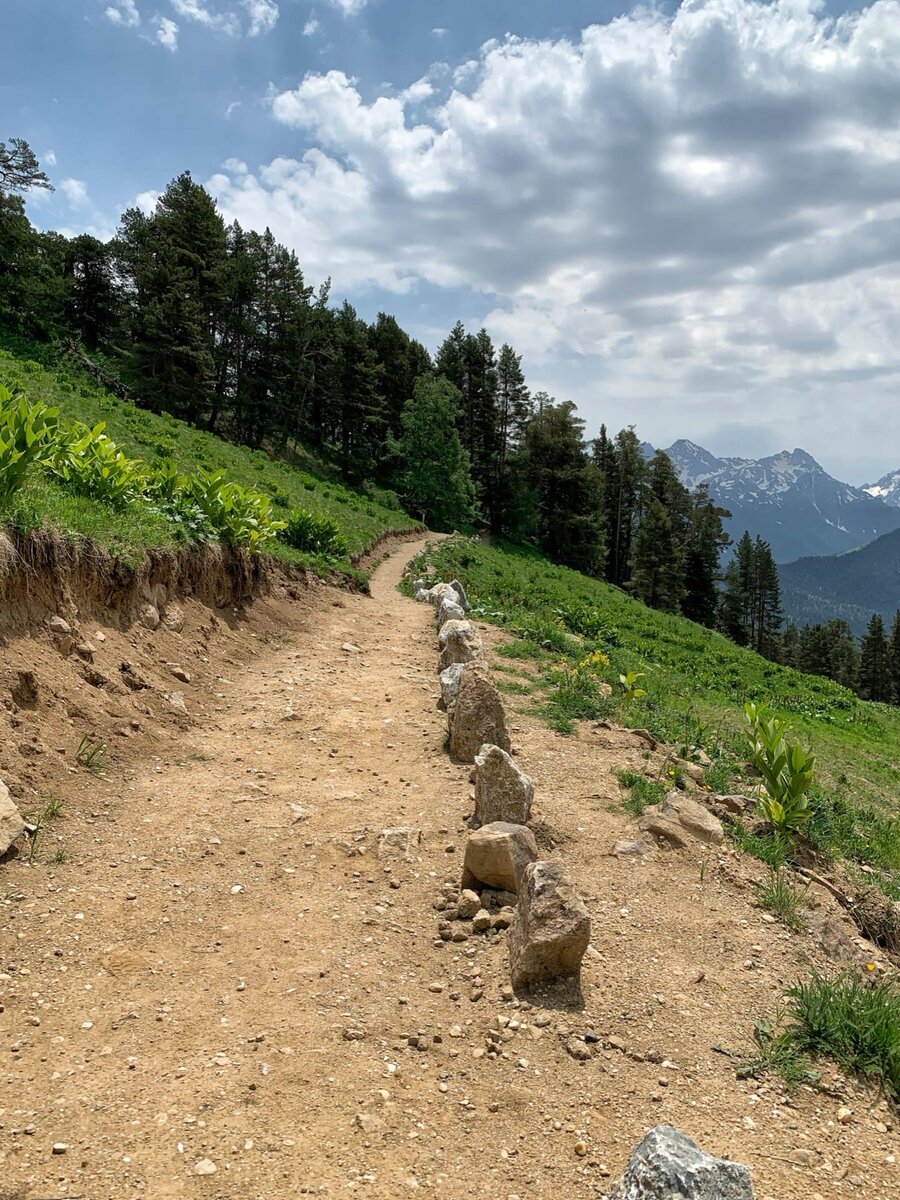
(298, 480)
(642, 792)
(696, 682)
(784, 899)
(854, 1021)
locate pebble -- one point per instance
(580, 1149)
(844, 1114)
(435, 987)
(205, 1167)
(60, 1147)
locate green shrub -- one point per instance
(26, 433)
(92, 465)
(314, 533)
(781, 896)
(239, 515)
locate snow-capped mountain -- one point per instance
(789, 500)
(887, 488)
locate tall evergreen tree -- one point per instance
(433, 476)
(564, 486)
(658, 558)
(623, 476)
(875, 681)
(894, 657)
(705, 541)
(92, 297)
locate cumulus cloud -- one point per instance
(263, 16)
(124, 12)
(701, 206)
(193, 10)
(75, 191)
(167, 33)
(311, 27)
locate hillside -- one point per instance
(851, 586)
(297, 481)
(216, 932)
(788, 499)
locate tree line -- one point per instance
(870, 667)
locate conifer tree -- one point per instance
(894, 658)
(658, 558)
(433, 478)
(624, 473)
(705, 541)
(875, 681)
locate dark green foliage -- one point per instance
(894, 658)
(314, 533)
(434, 479)
(658, 556)
(750, 612)
(19, 167)
(875, 675)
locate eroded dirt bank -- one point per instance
(214, 995)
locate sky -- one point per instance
(685, 218)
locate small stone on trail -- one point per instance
(205, 1167)
(181, 674)
(59, 1147)
(60, 626)
(351, 648)
(576, 1049)
(482, 921)
(468, 904)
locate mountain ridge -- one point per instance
(788, 499)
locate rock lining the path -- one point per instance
(496, 857)
(503, 792)
(679, 820)
(459, 642)
(551, 932)
(12, 824)
(477, 716)
(668, 1165)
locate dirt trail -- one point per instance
(214, 997)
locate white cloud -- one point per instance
(439, 31)
(193, 10)
(232, 107)
(75, 191)
(50, 158)
(263, 16)
(311, 27)
(123, 12)
(695, 215)
(146, 201)
(167, 33)
(350, 8)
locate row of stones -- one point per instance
(550, 929)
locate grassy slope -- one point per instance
(159, 439)
(696, 683)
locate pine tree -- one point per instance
(704, 542)
(790, 646)
(513, 412)
(768, 615)
(92, 297)
(433, 474)
(658, 558)
(875, 681)
(20, 170)
(621, 490)
(894, 658)
(563, 484)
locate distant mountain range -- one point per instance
(851, 585)
(887, 488)
(791, 501)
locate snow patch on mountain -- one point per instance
(887, 488)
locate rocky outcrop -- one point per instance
(477, 717)
(497, 855)
(459, 643)
(551, 932)
(667, 1165)
(12, 826)
(679, 820)
(503, 792)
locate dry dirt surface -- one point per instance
(232, 989)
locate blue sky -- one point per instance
(687, 218)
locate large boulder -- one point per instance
(477, 715)
(449, 610)
(552, 929)
(459, 643)
(12, 826)
(503, 792)
(497, 855)
(667, 1165)
(450, 685)
(680, 820)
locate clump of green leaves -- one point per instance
(313, 533)
(629, 682)
(26, 431)
(778, 1053)
(239, 515)
(92, 465)
(786, 769)
(784, 898)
